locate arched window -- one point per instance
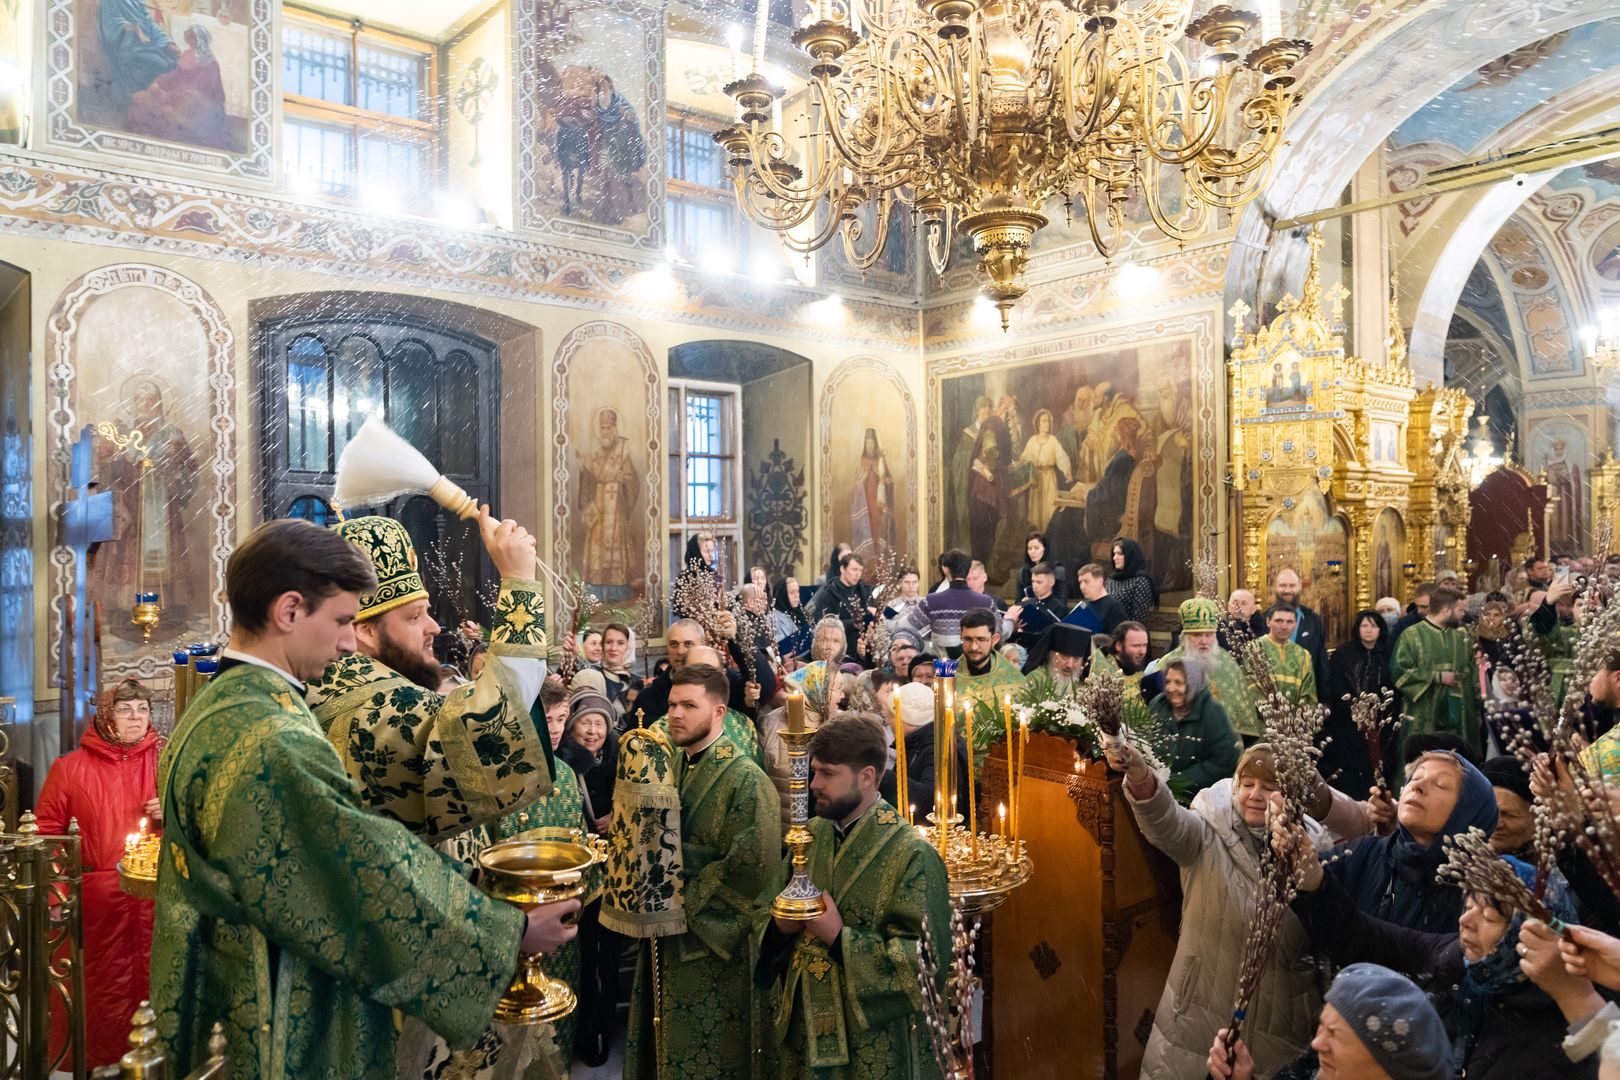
(436, 387)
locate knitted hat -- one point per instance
(583, 700)
(1200, 615)
(916, 705)
(1394, 1021)
(388, 545)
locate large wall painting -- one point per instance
(608, 470)
(175, 82)
(1087, 438)
(148, 349)
(868, 440)
(1558, 451)
(591, 121)
(1306, 537)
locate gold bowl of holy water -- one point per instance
(530, 873)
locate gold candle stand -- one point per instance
(799, 900)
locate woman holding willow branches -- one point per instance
(1358, 666)
(1217, 843)
(1503, 1026)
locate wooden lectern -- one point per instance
(1075, 961)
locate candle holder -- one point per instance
(137, 870)
(145, 614)
(799, 900)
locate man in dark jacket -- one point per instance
(1093, 582)
(1393, 877)
(1308, 631)
(1416, 612)
(846, 598)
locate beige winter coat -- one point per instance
(1219, 874)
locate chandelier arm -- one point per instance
(853, 230)
(1194, 208)
(941, 233)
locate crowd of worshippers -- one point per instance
(283, 811)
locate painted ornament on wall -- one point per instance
(182, 82)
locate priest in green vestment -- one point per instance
(288, 910)
(1292, 669)
(1436, 674)
(731, 841)
(1228, 683)
(985, 676)
(1551, 630)
(843, 989)
(738, 728)
(1127, 658)
(439, 764)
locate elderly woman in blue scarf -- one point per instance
(1502, 1025)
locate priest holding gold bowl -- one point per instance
(288, 908)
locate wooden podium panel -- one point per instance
(1075, 960)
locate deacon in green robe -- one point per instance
(1291, 667)
(731, 840)
(288, 910)
(738, 728)
(1228, 683)
(844, 989)
(439, 764)
(984, 676)
(1435, 672)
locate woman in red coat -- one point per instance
(109, 784)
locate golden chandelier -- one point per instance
(976, 113)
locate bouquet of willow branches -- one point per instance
(751, 627)
(1372, 713)
(695, 597)
(949, 1016)
(1479, 870)
(1291, 731)
(450, 573)
(885, 567)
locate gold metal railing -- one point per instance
(41, 950)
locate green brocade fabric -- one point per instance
(861, 1017)
(1292, 670)
(643, 896)
(293, 914)
(1423, 653)
(442, 763)
(731, 842)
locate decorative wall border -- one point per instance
(562, 475)
(824, 427)
(61, 128)
(81, 204)
(1203, 328)
(63, 425)
(529, 32)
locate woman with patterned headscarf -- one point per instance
(109, 784)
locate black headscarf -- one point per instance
(1136, 565)
(1351, 658)
(1060, 638)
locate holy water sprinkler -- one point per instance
(378, 465)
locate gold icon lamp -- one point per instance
(531, 873)
(137, 870)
